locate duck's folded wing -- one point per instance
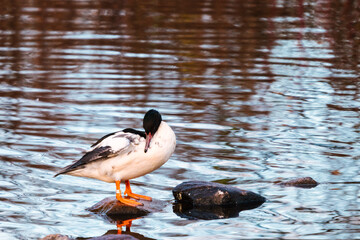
(108, 146)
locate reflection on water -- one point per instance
(209, 213)
(256, 92)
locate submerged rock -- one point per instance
(56, 237)
(205, 194)
(125, 233)
(115, 210)
(305, 182)
(115, 237)
(104, 237)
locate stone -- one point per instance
(104, 237)
(135, 235)
(304, 182)
(56, 237)
(205, 194)
(115, 211)
(115, 237)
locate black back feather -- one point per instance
(107, 135)
(131, 130)
(96, 154)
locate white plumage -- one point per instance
(128, 159)
(127, 154)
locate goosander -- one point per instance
(127, 154)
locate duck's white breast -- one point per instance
(161, 148)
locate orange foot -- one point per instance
(125, 201)
(128, 202)
(134, 195)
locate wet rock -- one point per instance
(56, 237)
(104, 237)
(305, 182)
(206, 194)
(115, 237)
(114, 210)
(133, 234)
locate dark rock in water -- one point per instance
(201, 194)
(105, 237)
(126, 233)
(56, 237)
(115, 210)
(115, 237)
(111, 206)
(305, 182)
(207, 200)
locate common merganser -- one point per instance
(127, 154)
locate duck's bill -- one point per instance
(147, 144)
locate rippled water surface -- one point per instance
(256, 91)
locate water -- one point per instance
(257, 92)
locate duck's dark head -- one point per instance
(151, 123)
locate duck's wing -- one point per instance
(108, 146)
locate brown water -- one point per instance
(256, 91)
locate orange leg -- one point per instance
(125, 201)
(134, 195)
(127, 223)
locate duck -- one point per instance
(127, 154)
